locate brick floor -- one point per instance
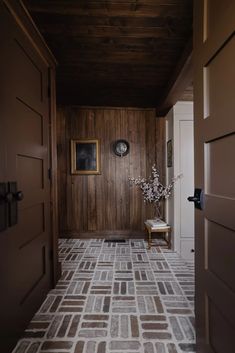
(115, 298)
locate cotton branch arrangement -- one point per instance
(153, 190)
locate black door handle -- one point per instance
(9, 198)
(198, 199)
(13, 205)
(3, 207)
(193, 199)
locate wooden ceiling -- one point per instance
(116, 52)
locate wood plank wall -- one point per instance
(103, 205)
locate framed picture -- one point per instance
(85, 156)
(169, 153)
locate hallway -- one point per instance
(115, 297)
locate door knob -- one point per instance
(8, 197)
(197, 198)
(19, 196)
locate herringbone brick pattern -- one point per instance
(115, 298)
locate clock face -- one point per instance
(121, 148)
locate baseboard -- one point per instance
(106, 234)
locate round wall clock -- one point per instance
(121, 148)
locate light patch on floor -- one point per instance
(115, 298)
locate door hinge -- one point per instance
(49, 173)
(49, 91)
(3, 207)
(51, 254)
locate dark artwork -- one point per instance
(86, 156)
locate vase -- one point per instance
(158, 221)
(157, 211)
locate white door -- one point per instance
(184, 164)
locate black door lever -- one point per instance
(3, 207)
(198, 199)
(14, 196)
(9, 197)
(193, 199)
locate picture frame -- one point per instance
(169, 153)
(85, 156)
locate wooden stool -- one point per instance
(158, 229)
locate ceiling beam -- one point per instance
(181, 78)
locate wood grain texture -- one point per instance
(106, 204)
(113, 52)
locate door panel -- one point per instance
(217, 252)
(31, 224)
(25, 247)
(217, 164)
(221, 333)
(28, 67)
(214, 87)
(218, 79)
(186, 246)
(218, 20)
(34, 120)
(36, 262)
(30, 172)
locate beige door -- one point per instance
(214, 82)
(25, 245)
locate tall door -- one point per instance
(25, 244)
(184, 164)
(214, 83)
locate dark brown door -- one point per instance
(214, 87)
(25, 246)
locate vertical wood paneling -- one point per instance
(62, 168)
(91, 179)
(134, 169)
(106, 202)
(150, 150)
(142, 147)
(109, 173)
(69, 211)
(100, 179)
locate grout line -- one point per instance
(131, 249)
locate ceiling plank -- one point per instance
(179, 82)
(120, 57)
(46, 19)
(143, 8)
(115, 31)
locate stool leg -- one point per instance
(149, 239)
(169, 240)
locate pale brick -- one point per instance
(124, 291)
(92, 333)
(124, 345)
